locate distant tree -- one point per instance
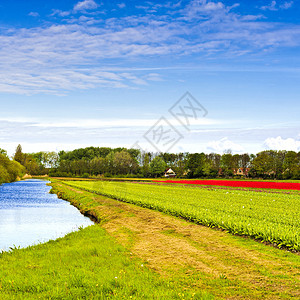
(146, 165)
(46, 159)
(215, 162)
(10, 170)
(97, 165)
(3, 152)
(262, 164)
(290, 164)
(181, 164)
(157, 166)
(245, 161)
(134, 153)
(31, 165)
(195, 164)
(19, 155)
(124, 163)
(109, 163)
(227, 163)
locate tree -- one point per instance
(10, 170)
(19, 155)
(195, 164)
(109, 162)
(227, 163)
(245, 161)
(146, 165)
(3, 152)
(97, 166)
(262, 164)
(31, 165)
(290, 164)
(157, 166)
(181, 164)
(124, 163)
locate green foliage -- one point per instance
(19, 155)
(10, 170)
(124, 163)
(196, 164)
(46, 159)
(98, 161)
(157, 166)
(271, 217)
(146, 165)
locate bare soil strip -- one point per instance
(230, 267)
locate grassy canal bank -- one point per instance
(137, 253)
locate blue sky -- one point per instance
(81, 73)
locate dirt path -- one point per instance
(229, 267)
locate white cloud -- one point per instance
(121, 5)
(224, 144)
(287, 5)
(61, 13)
(198, 8)
(279, 143)
(252, 17)
(271, 6)
(85, 5)
(153, 77)
(34, 14)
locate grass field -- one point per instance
(271, 216)
(137, 253)
(87, 264)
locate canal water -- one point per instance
(30, 215)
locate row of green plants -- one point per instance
(269, 216)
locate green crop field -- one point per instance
(269, 216)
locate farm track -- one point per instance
(227, 266)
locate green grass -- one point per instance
(87, 264)
(273, 273)
(267, 216)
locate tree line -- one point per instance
(123, 162)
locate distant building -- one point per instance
(241, 171)
(170, 173)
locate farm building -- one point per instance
(170, 173)
(241, 171)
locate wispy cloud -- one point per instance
(77, 51)
(287, 5)
(274, 6)
(121, 5)
(60, 13)
(33, 14)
